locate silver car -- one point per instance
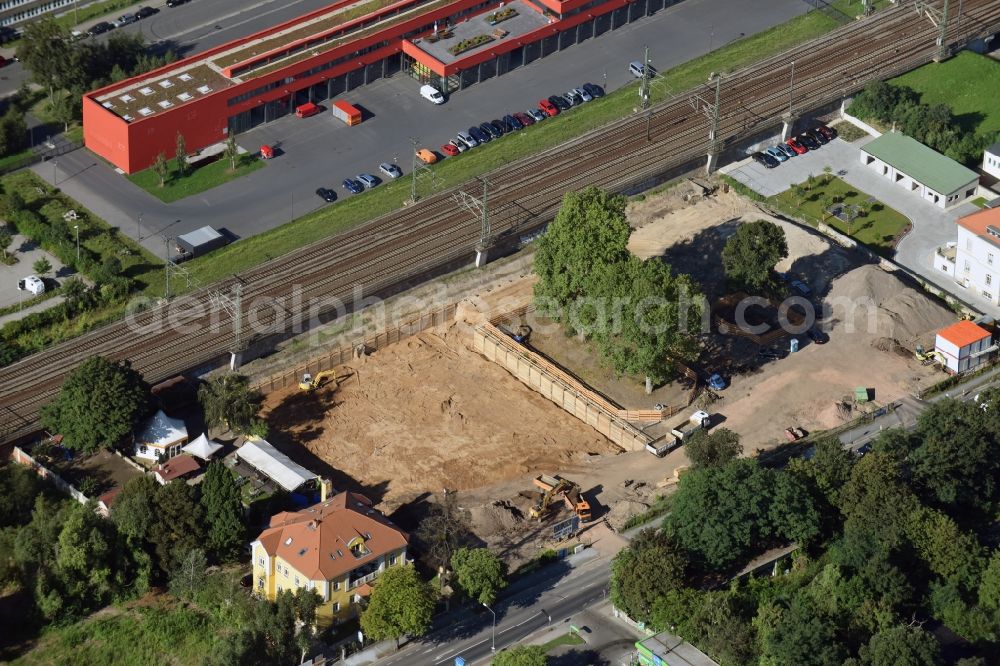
(586, 96)
(467, 139)
(391, 170)
(368, 180)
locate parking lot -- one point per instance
(322, 151)
(27, 254)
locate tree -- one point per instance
(648, 569)
(902, 646)
(41, 266)
(232, 151)
(828, 470)
(521, 655)
(84, 560)
(713, 449)
(989, 587)
(443, 530)
(877, 502)
(751, 253)
(74, 290)
(6, 238)
(952, 554)
(480, 573)
(178, 527)
(134, 509)
(798, 193)
(221, 500)
(228, 400)
(161, 168)
(188, 576)
(401, 605)
(590, 232)
(98, 405)
(804, 636)
(62, 109)
(19, 486)
(644, 319)
(44, 50)
(13, 133)
(181, 155)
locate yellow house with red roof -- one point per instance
(336, 547)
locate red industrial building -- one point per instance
(450, 44)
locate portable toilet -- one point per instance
(793, 346)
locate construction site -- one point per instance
(500, 405)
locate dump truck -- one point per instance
(556, 488)
(350, 114)
(695, 422)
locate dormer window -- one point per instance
(358, 547)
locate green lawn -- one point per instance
(15, 160)
(569, 638)
(876, 230)
(969, 83)
(345, 214)
(199, 180)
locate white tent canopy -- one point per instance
(161, 430)
(263, 457)
(202, 447)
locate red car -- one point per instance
(524, 119)
(794, 144)
(449, 150)
(548, 108)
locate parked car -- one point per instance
(830, 134)
(124, 19)
(467, 139)
(427, 156)
(818, 336)
(583, 94)
(498, 126)
(492, 131)
(175, 3)
(458, 145)
(548, 107)
(145, 12)
(636, 69)
(479, 135)
(390, 170)
(777, 153)
(808, 141)
(524, 119)
(100, 28)
(765, 160)
(716, 382)
(368, 180)
(816, 136)
(536, 115)
(594, 90)
(786, 149)
(353, 186)
(450, 149)
(326, 195)
(560, 102)
(771, 353)
(573, 98)
(510, 123)
(796, 145)
(801, 287)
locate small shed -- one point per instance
(202, 447)
(179, 467)
(964, 346)
(162, 436)
(200, 241)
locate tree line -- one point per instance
(888, 546)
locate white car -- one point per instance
(459, 145)
(391, 170)
(583, 94)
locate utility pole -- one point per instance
(791, 88)
(480, 209)
(939, 19)
(644, 86)
(234, 306)
(166, 265)
(711, 112)
(413, 170)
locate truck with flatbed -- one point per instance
(698, 420)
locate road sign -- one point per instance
(566, 528)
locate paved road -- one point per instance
(322, 151)
(523, 613)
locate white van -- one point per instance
(431, 93)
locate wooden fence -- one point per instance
(332, 359)
(563, 389)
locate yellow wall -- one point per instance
(273, 575)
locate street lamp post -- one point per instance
(493, 639)
(55, 165)
(77, 227)
(138, 228)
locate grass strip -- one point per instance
(196, 180)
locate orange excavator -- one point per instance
(556, 488)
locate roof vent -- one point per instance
(185, 77)
(185, 96)
(166, 83)
(204, 90)
(108, 105)
(126, 98)
(147, 91)
(145, 111)
(166, 104)
(127, 118)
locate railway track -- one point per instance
(405, 244)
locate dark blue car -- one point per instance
(511, 123)
(492, 131)
(479, 135)
(353, 186)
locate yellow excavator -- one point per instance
(310, 383)
(556, 488)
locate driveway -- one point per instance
(321, 151)
(27, 254)
(932, 226)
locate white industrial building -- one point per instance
(963, 346)
(928, 174)
(973, 261)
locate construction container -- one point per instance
(348, 113)
(199, 242)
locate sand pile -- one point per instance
(496, 518)
(884, 307)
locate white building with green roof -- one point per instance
(928, 174)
